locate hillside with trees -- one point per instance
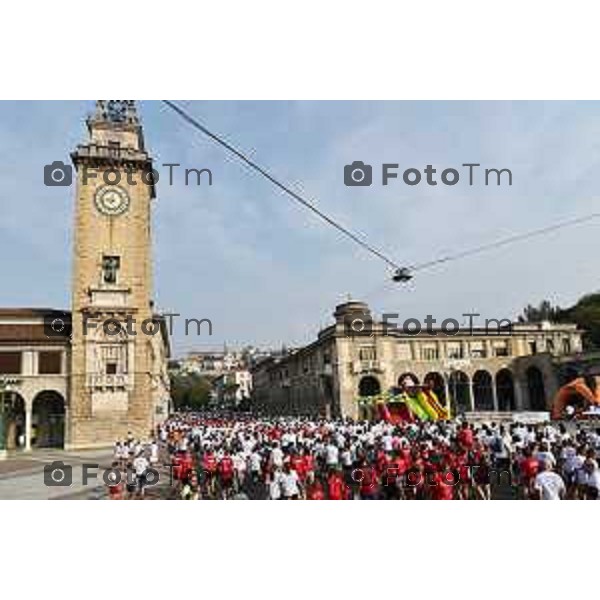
(585, 313)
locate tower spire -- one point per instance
(117, 111)
(116, 122)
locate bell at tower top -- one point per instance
(117, 111)
(116, 122)
(115, 139)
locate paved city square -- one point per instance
(367, 404)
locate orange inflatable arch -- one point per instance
(577, 387)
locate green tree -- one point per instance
(585, 313)
(190, 390)
(544, 311)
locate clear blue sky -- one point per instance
(266, 271)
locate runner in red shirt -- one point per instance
(443, 488)
(115, 491)
(464, 473)
(392, 479)
(367, 475)
(309, 465)
(176, 466)
(187, 466)
(225, 469)
(528, 469)
(465, 436)
(297, 463)
(315, 491)
(336, 486)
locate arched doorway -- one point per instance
(483, 393)
(407, 380)
(505, 390)
(436, 382)
(13, 422)
(536, 389)
(48, 420)
(328, 393)
(460, 394)
(369, 386)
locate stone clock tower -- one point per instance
(113, 329)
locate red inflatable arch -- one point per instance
(577, 387)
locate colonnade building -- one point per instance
(506, 368)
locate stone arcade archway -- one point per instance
(13, 422)
(369, 386)
(483, 392)
(407, 380)
(48, 420)
(436, 382)
(459, 388)
(536, 389)
(505, 390)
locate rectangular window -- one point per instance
(477, 350)
(10, 363)
(114, 149)
(367, 353)
(566, 346)
(49, 363)
(430, 353)
(532, 347)
(403, 351)
(500, 349)
(111, 368)
(455, 350)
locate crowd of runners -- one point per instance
(243, 457)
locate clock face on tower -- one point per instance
(112, 200)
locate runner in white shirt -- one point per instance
(587, 477)
(332, 455)
(593, 485)
(123, 454)
(549, 484)
(276, 485)
(277, 456)
(387, 442)
(544, 455)
(290, 483)
(153, 453)
(140, 464)
(255, 463)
